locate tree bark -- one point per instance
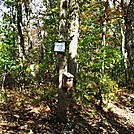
(62, 92)
(21, 43)
(19, 26)
(124, 53)
(129, 41)
(74, 34)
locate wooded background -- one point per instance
(99, 51)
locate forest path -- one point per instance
(20, 117)
(123, 112)
(125, 109)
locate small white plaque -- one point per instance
(59, 46)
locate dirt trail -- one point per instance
(125, 113)
(117, 118)
(124, 110)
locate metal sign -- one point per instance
(59, 46)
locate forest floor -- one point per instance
(19, 116)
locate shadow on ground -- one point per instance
(40, 119)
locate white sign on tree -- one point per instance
(59, 46)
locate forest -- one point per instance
(67, 66)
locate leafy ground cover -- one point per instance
(27, 112)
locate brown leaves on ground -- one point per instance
(20, 116)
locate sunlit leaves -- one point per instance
(100, 66)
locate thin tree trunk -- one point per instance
(21, 44)
(124, 53)
(103, 44)
(19, 26)
(104, 32)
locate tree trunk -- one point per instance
(74, 33)
(20, 32)
(129, 41)
(124, 53)
(62, 93)
(21, 43)
(104, 32)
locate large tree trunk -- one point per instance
(74, 33)
(129, 41)
(62, 93)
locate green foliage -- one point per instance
(7, 57)
(101, 68)
(4, 96)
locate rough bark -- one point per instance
(62, 93)
(129, 41)
(19, 26)
(74, 34)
